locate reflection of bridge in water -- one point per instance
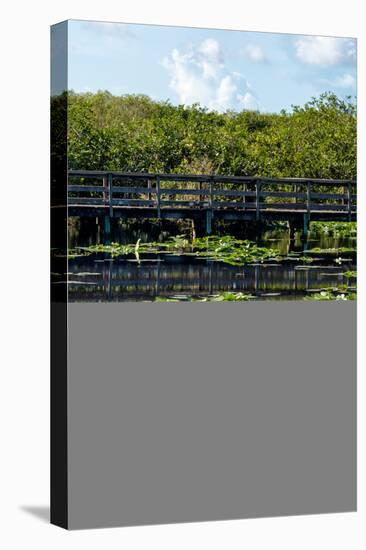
(126, 279)
(204, 198)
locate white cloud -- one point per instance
(254, 53)
(249, 101)
(323, 50)
(227, 88)
(345, 81)
(199, 75)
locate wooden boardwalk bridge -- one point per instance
(207, 197)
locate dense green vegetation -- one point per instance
(334, 229)
(135, 133)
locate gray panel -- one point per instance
(59, 58)
(194, 412)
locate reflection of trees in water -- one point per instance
(127, 280)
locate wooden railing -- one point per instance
(116, 190)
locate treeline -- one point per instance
(135, 133)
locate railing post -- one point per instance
(105, 186)
(349, 197)
(244, 197)
(158, 194)
(149, 187)
(110, 194)
(308, 195)
(257, 199)
(209, 212)
(210, 189)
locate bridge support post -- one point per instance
(292, 234)
(107, 229)
(305, 230)
(208, 222)
(292, 230)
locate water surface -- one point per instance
(101, 278)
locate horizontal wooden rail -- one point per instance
(204, 177)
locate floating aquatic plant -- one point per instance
(339, 250)
(231, 297)
(305, 259)
(224, 297)
(331, 295)
(350, 274)
(233, 251)
(226, 249)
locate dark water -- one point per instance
(101, 278)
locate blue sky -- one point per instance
(219, 69)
